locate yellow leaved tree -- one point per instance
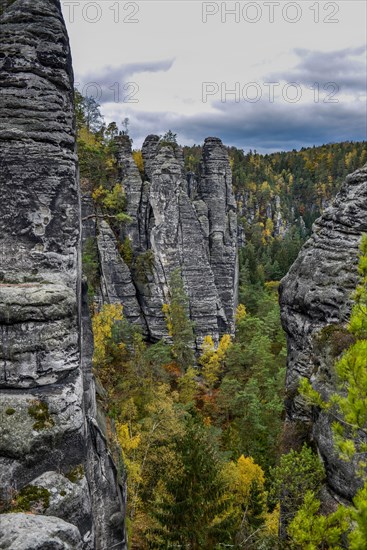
(139, 161)
(241, 476)
(240, 313)
(245, 481)
(212, 360)
(107, 352)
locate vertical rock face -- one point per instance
(116, 282)
(176, 241)
(178, 223)
(149, 151)
(215, 189)
(316, 294)
(129, 174)
(49, 435)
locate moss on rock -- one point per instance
(76, 474)
(31, 499)
(39, 411)
(336, 336)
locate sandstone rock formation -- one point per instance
(25, 532)
(116, 282)
(50, 435)
(176, 223)
(316, 295)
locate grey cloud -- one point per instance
(347, 68)
(107, 77)
(265, 127)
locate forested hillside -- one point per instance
(280, 195)
(201, 436)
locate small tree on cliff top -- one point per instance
(169, 140)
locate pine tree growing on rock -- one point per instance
(179, 326)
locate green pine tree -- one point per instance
(180, 327)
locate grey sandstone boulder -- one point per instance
(32, 532)
(69, 499)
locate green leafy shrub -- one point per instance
(126, 251)
(169, 139)
(297, 473)
(144, 265)
(309, 529)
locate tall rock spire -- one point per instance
(185, 225)
(49, 436)
(215, 189)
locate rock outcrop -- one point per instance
(215, 190)
(26, 532)
(116, 283)
(315, 299)
(176, 223)
(50, 434)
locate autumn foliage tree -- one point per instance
(212, 358)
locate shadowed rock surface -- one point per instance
(316, 293)
(215, 190)
(48, 410)
(116, 282)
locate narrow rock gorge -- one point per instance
(67, 255)
(316, 298)
(54, 446)
(53, 434)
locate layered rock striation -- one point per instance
(177, 222)
(50, 436)
(316, 298)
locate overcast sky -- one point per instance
(270, 76)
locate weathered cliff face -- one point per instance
(315, 294)
(116, 282)
(176, 223)
(49, 432)
(274, 211)
(215, 190)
